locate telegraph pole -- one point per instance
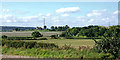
(44, 21)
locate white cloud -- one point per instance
(91, 20)
(116, 12)
(5, 10)
(64, 15)
(40, 14)
(48, 14)
(25, 20)
(100, 17)
(30, 17)
(20, 12)
(96, 13)
(68, 10)
(14, 21)
(8, 21)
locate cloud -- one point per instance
(96, 13)
(116, 12)
(5, 10)
(20, 12)
(91, 20)
(25, 20)
(68, 10)
(64, 15)
(40, 14)
(94, 17)
(48, 14)
(8, 21)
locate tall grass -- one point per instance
(63, 52)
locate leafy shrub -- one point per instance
(18, 44)
(4, 37)
(20, 38)
(36, 34)
(54, 36)
(110, 43)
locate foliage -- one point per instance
(90, 31)
(66, 52)
(24, 44)
(59, 28)
(110, 43)
(54, 36)
(17, 29)
(4, 37)
(36, 34)
(45, 27)
(24, 38)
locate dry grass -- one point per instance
(73, 42)
(27, 33)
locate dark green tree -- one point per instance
(52, 28)
(56, 28)
(74, 31)
(4, 37)
(36, 34)
(17, 29)
(110, 43)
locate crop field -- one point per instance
(27, 33)
(72, 42)
(60, 42)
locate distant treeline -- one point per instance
(90, 31)
(11, 28)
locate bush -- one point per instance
(54, 36)
(20, 38)
(4, 37)
(18, 44)
(36, 34)
(110, 43)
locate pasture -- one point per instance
(27, 33)
(72, 42)
(60, 42)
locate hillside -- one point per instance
(10, 28)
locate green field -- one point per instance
(60, 42)
(28, 33)
(73, 42)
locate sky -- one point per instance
(74, 14)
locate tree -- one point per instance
(52, 28)
(45, 27)
(56, 28)
(74, 31)
(54, 36)
(36, 34)
(60, 28)
(17, 29)
(110, 43)
(4, 37)
(66, 27)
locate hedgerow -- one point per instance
(24, 44)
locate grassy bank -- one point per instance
(52, 53)
(73, 42)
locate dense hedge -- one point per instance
(24, 38)
(18, 44)
(19, 38)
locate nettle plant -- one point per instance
(110, 43)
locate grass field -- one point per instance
(28, 33)
(73, 42)
(61, 42)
